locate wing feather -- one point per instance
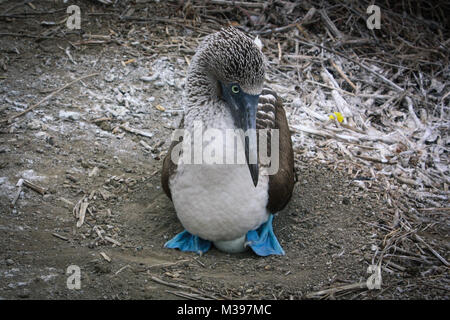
(169, 167)
(271, 115)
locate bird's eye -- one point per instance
(235, 89)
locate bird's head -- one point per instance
(229, 66)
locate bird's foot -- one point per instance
(188, 242)
(263, 241)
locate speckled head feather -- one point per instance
(228, 56)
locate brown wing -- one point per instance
(271, 114)
(169, 167)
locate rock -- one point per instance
(50, 140)
(9, 262)
(297, 103)
(151, 78)
(119, 97)
(118, 111)
(110, 77)
(159, 84)
(34, 124)
(41, 135)
(94, 172)
(69, 115)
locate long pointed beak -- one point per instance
(243, 108)
(248, 124)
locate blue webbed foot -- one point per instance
(188, 242)
(263, 241)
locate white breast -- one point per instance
(219, 202)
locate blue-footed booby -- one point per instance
(231, 205)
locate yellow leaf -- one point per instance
(160, 107)
(338, 115)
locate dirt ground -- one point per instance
(326, 230)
